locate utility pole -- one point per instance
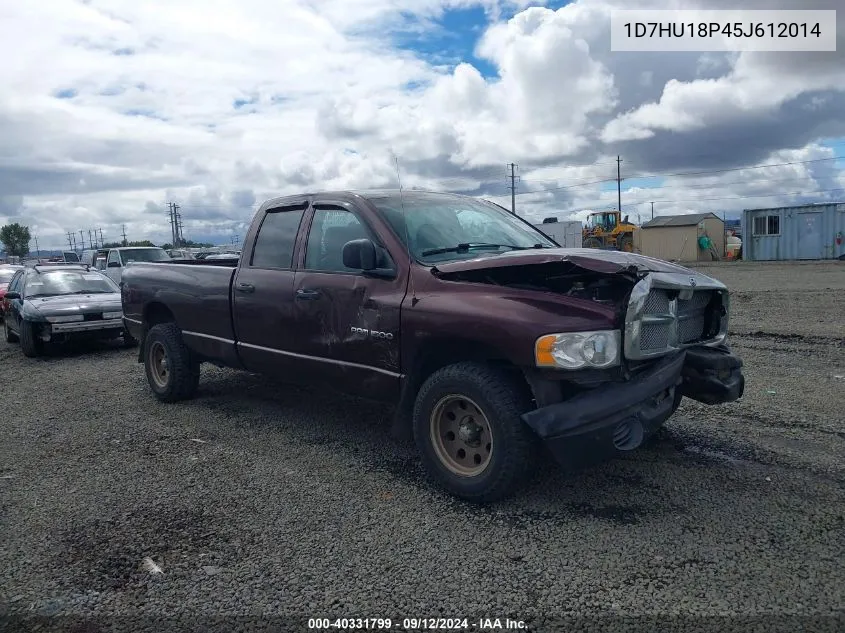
(172, 208)
(102, 241)
(82, 239)
(90, 241)
(619, 183)
(180, 238)
(69, 241)
(37, 251)
(652, 210)
(125, 243)
(512, 186)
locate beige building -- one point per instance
(676, 237)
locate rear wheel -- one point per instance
(172, 372)
(468, 429)
(31, 345)
(592, 242)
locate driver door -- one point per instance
(347, 322)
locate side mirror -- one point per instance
(12, 295)
(360, 254)
(113, 264)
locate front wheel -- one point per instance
(468, 429)
(31, 345)
(172, 372)
(10, 336)
(593, 242)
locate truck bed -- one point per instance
(197, 293)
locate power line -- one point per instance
(601, 204)
(685, 174)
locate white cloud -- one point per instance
(218, 105)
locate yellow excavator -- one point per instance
(605, 230)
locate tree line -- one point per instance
(16, 238)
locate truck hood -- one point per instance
(609, 262)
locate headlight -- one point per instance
(66, 319)
(113, 315)
(578, 350)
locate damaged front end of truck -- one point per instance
(671, 330)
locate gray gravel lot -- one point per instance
(260, 499)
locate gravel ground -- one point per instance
(259, 499)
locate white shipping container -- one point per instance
(566, 233)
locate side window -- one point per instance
(276, 238)
(113, 257)
(15, 285)
(330, 230)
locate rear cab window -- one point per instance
(276, 239)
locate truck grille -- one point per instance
(664, 319)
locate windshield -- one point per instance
(71, 257)
(144, 255)
(444, 227)
(68, 282)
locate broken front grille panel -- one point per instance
(666, 314)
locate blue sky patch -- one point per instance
(838, 147)
(243, 102)
(66, 93)
(142, 112)
(631, 183)
(455, 37)
(123, 51)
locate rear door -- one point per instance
(262, 292)
(347, 322)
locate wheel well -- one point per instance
(156, 313)
(435, 355)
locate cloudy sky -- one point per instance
(109, 109)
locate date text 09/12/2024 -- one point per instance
(416, 624)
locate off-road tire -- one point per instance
(11, 337)
(31, 346)
(626, 244)
(502, 400)
(183, 371)
(593, 242)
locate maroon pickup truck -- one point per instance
(491, 340)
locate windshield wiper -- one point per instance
(465, 247)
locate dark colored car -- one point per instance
(53, 303)
(489, 338)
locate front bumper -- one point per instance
(618, 417)
(86, 326)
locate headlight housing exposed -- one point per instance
(66, 319)
(579, 350)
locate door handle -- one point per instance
(304, 293)
(245, 288)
